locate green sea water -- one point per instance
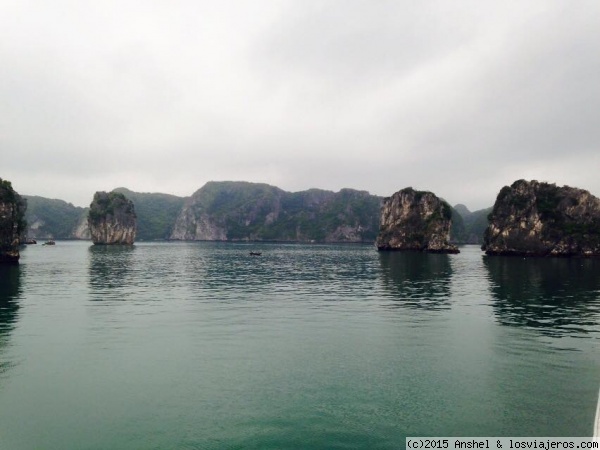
(201, 346)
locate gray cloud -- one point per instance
(459, 98)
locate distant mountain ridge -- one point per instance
(55, 219)
(243, 211)
(468, 227)
(156, 213)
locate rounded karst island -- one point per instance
(112, 219)
(415, 221)
(532, 218)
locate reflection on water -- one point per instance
(199, 345)
(417, 280)
(556, 296)
(326, 271)
(110, 270)
(223, 272)
(10, 290)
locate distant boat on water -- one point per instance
(49, 243)
(255, 253)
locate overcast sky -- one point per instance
(456, 97)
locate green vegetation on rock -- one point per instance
(111, 204)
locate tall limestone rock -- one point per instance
(532, 218)
(417, 221)
(12, 222)
(112, 219)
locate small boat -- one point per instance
(255, 253)
(49, 243)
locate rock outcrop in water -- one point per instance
(112, 219)
(532, 218)
(417, 221)
(12, 222)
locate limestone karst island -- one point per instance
(541, 219)
(12, 223)
(529, 218)
(112, 219)
(416, 221)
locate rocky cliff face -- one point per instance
(221, 211)
(415, 220)
(241, 211)
(12, 222)
(531, 218)
(193, 224)
(82, 229)
(112, 219)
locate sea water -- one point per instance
(202, 346)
